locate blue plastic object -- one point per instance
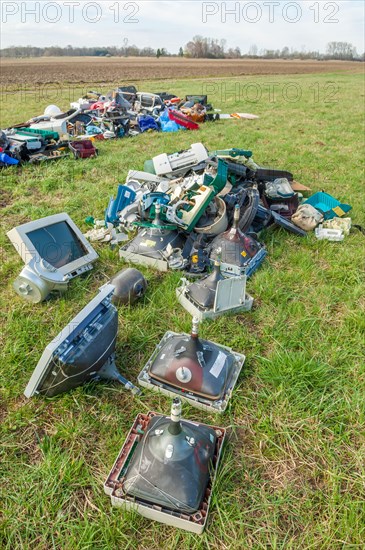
(125, 196)
(164, 116)
(154, 198)
(255, 262)
(93, 130)
(7, 160)
(147, 122)
(328, 205)
(252, 265)
(287, 224)
(170, 126)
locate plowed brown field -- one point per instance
(95, 69)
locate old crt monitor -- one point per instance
(54, 251)
(83, 351)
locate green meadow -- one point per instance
(292, 473)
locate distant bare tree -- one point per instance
(253, 51)
(341, 50)
(205, 47)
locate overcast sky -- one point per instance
(304, 24)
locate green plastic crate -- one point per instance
(47, 135)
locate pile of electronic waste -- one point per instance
(194, 210)
(123, 112)
(198, 211)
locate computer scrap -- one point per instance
(202, 213)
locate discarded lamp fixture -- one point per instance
(200, 371)
(83, 351)
(239, 253)
(150, 247)
(130, 285)
(177, 164)
(166, 469)
(55, 251)
(214, 295)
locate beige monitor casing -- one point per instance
(22, 244)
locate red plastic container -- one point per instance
(83, 149)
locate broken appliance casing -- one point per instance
(55, 124)
(231, 269)
(177, 164)
(147, 102)
(219, 224)
(37, 280)
(146, 379)
(154, 244)
(199, 201)
(230, 298)
(150, 247)
(238, 253)
(32, 142)
(195, 523)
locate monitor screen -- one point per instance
(78, 353)
(57, 244)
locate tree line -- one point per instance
(198, 47)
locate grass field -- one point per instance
(292, 475)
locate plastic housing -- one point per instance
(194, 523)
(217, 405)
